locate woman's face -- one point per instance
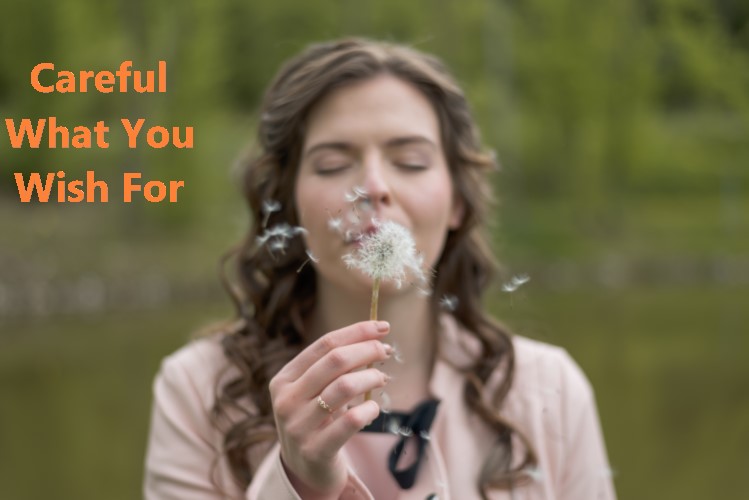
(379, 137)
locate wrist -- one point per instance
(308, 492)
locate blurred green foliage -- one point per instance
(583, 99)
(622, 128)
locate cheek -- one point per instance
(434, 199)
(307, 204)
(314, 211)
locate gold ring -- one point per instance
(322, 404)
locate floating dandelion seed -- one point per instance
(393, 427)
(449, 302)
(335, 224)
(607, 472)
(278, 245)
(269, 206)
(397, 356)
(534, 473)
(276, 237)
(310, 257)
(356, 193)
(515, 283)
(405, 431)
(385, 402)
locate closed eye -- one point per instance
(412, 166)
(331, 170)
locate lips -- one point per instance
(354, 237)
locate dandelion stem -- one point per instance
(375, 299)
(373, 317)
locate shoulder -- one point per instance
(551, 398)
(194, 371)
(548, 371)
(541, 370)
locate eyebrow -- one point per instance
(392, 143)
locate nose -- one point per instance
(376, 183)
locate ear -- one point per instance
(457, 212)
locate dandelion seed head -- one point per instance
(387, 253)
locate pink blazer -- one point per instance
(551, 402)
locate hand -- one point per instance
(310, 436)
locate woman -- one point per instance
(354, 135)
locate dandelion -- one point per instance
(386, 253)
(269, 206)
(515, 283)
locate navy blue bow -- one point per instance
(407, 425)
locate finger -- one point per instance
(358, 332)
(338, 362)
(353, 385)
(330, 439)
(335, 397)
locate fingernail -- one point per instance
(383, 326)
(388, 349)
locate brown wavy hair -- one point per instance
(273, 297)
